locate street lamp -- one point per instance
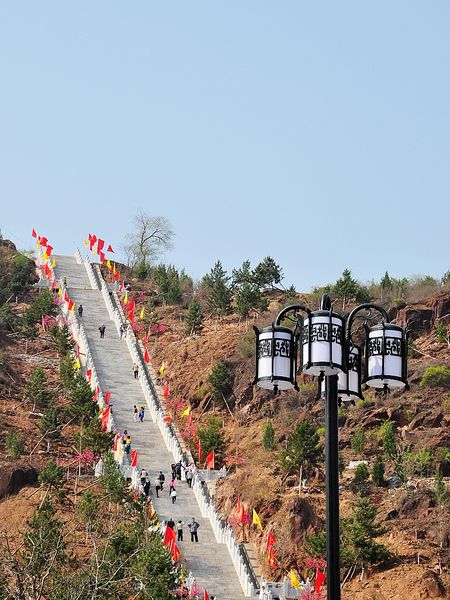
(328, 350)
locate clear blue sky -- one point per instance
(314, 132)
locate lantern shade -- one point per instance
(349, 383)
(386, 356)
(322, 344)
(276, 358)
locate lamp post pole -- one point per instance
(332, 488)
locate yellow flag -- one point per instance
(186, 412)
(256, 519)
(125, 300)
(60, 292)
(85, 242)
(295, 581)
(162, 368)
(46, 256)
(73, 308)
(141, 314)
(53, 263)
(76, 364)
(114, 268)
(108, 264)
(94, 250)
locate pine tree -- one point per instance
(248, 298)
(388, 437)
(112, 479)
(81, 405)
(49, 423)
(363, 532)
(269, 436)
(37, 390)
(220, 381)
(385, 285)
(303, 449)
(290, 295)
(219, 298)
(194, 317)
(44, 541)
(378, 471)
(267, 273)
(51, 475)
(358, 442)
(243, 275)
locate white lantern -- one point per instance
(323, 344)
(276, 358)
(386, 356)
(349, 383)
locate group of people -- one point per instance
(138, 414)
(193, 526)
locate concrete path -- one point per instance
(209, 561)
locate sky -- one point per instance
(314, 132)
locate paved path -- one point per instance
(209, 561)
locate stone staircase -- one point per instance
(209, 561)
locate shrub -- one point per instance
(51, 475)
(269, 436)
(361, 473)
(303, 449)
(211, 437)
(194, 317)
(446, 404)
(14, 444)
(378, 471)
(141, 271)
(438, 376)
(247, 345)
(48, 425)
(441, 332)
(201, 392)
(359, 440)
(387, 434)
(220, 381)
(42, 305)
(36, 390)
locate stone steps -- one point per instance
(209, 561)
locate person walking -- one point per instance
(147, 487)
(157, 486)
(172, 485)
(193, 528)
(189, 476)
(144, 475)
(135, 370)
(173, 495)
(80, 311)
(102, 330)
(180, 531)
(121, 330)
(162, 479)
(171, 523)
(135, 413)
(178, 470)
(127, 444)
(141, 414)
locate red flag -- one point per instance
(134, 458)
(146, 356)
(88, 374)
(66, 297)
(109, 249)
(53, 286)
(199, 448)
(96, 393)
(122, 285)
(169, 536)
(100, 244)
(33, 233)
(107, 397)
(168, 419)
(102, 256)
(189, 421)
(205, 595)
(166, 391)
(92, 240)
(43, 241)
(210, 460)
(116, 440)
(320, 578)
(174, 551)
(131, 304)
(243, 519)
(116, 276)
(131, 317)
(272, 561)
(270, 542)
(70, 304)
(49, 250)
(145, 340)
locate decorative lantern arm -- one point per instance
(367, 306)
(290, 308)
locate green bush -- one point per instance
(269, 436)
(378, 471)
(14, 444)
(387, 435)
(212, 437)
(36, 390)
(42, 305)
(51, 475)
(441, 332)
(438, 376)
(303, 449)
(361, 473)
(220, 381)
(49, 424)
(201, 392)
(141, 271)
(358, 442)
(194, 317)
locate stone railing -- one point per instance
(223, 532)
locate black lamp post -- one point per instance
(328, 351)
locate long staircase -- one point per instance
(209, 561)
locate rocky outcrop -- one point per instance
(14, 477)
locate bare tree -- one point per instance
(150, 238)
